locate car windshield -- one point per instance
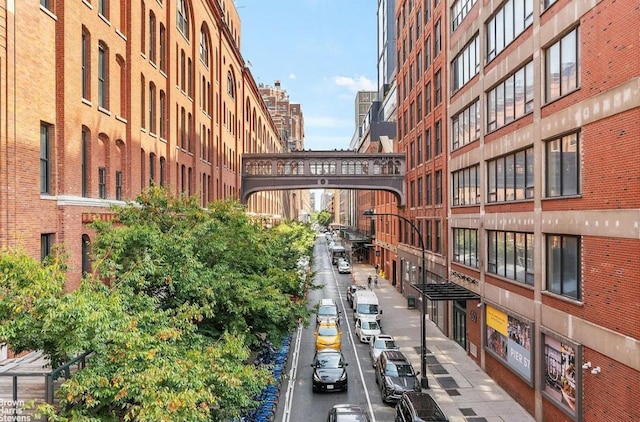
(398, 370)
(370, 325)
(329, 361)
(328, 311)
(328, 330)
(367, 309)
(385, 344)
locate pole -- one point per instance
(424, 381)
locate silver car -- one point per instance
(378, 343)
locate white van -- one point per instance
(365, 306)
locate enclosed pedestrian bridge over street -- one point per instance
(323, 170)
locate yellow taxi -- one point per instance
(328, 335)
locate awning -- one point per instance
(445, 291)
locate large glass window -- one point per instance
(86, 64)
(563, 265)
(466, 64)
(506, 24)
(438, 199)
(562, 173)
(510, 99)
(459, 10)
(562, 66)
(466, 186)
(510, 255)
(510, 177)
(465, 247)
(183, 18)
(465, 126)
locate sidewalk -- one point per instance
(463, 390)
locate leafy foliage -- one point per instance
(178, 296)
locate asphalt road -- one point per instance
(297, 401)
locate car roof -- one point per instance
(395, 355)
(326, 302)
(355, 412)
(425, 406)
(383, 337)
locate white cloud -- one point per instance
(292, 76)
(359, 83)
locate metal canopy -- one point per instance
(445, 291)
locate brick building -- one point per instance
(538, 107)
(111, 97)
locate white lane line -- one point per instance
(291, 382)
(355, 351)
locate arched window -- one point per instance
(183, 18)
(231, 87)
(86, 254)
(204, 46)
(152, 37)
(103, 75)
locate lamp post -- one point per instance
(424, 381)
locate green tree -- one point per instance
(178, 296)
(324, 218)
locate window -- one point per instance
(152, 37)
(152, 169)
(163, 115)
(412, 194)
(183, 18)
(510, 255)
(163, 170)
(466, 186)
(152, 107)
(420, 191)
(438, 248)
(427, 98)
(459, 10)
(231, 89)
(465, 126)
(412, 155)
(506, 24)
(427, 52)
(466, 65)
(143, 102)
(85, 161)
(163, 48)
(419, 106)
(563, 265)
(204, 47)
(562, 66)
(429, 236)
(103, 75)
(428, 144)
(510, 178)
(46, 4)
(86, 64)
(438, 129)
(429, 193)
(102, 182)
(438, 199)
(45, 158)
(103, 8)
(46, 245)
(510, 99)
(465, 247)
(419, 152)
(86, 254)
(427, 10)
(562, 173)
(438, 88)
(437, 44)
(119, 185)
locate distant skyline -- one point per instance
(322, 51)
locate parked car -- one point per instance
(327, 311)
(348, 413)
(344, 267)
(419, 407)
(378, 343)
(351, 290)
(366, 329)
(395, 375)
(328, 336)
(329, 371)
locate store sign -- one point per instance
(509, 339)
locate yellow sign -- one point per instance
(497, 320)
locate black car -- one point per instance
(395, 375)
(419, 407)
(348, 413)
(329, 371)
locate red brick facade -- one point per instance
(139, 93)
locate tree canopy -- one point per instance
(177, 296)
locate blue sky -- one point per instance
(321, 51)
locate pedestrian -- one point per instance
(375, 281)
(369, 281)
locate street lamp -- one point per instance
(424, 381)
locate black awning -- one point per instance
(445, 291)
